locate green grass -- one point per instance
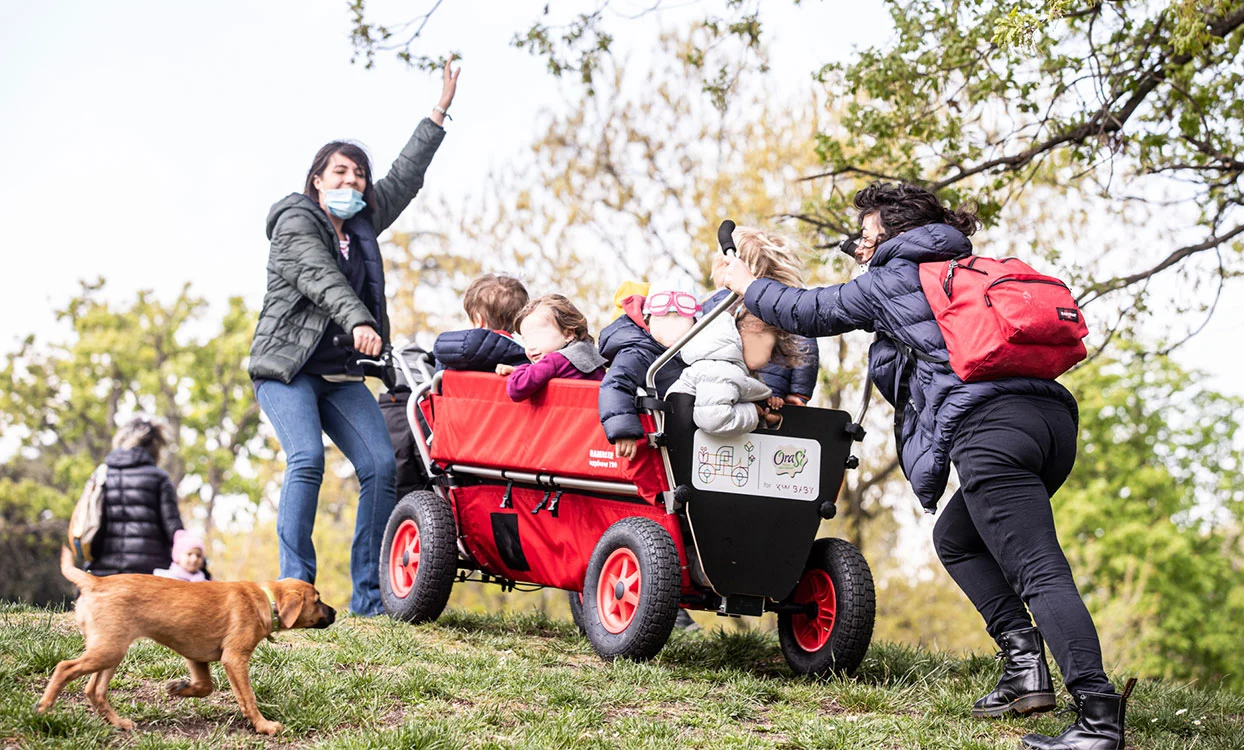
(529, 681)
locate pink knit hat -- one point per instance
(184, 541)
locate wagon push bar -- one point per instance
(651, 402)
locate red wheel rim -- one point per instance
(404, 559)
(617, 592)
(812, 631)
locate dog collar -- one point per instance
(276, 620)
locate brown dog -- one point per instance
(204, 622)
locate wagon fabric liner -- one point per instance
(555, 432)
(542, 548)
(511, 528)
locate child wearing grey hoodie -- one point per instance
(721, 360)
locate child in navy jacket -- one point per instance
(648, 326)
(492, 303)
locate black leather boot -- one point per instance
(1025, 686)
(1098, 726)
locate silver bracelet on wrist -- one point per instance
(443, 111)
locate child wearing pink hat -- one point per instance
(187, 558)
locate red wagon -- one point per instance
(532, 493)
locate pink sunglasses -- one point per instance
(663, 303)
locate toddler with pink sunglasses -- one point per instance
(649, 324)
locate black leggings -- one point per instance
(996, 536)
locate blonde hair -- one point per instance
(495, 299)
(784, 344)
(148, 433)
(566, 316)
(770, 256)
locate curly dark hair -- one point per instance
(901, 206)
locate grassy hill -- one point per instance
(528, 681)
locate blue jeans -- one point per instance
(349, 414)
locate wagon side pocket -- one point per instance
(509, 546)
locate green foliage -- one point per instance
(1018, 27)
(1120, 109)
(368, 38)
(581, 45)
(1153, 515)
(65, 400)
(1050, 105)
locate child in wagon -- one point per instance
(558, 344)
(653, 318)
(492, 303)
(721, 364)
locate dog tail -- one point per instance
(76, 576)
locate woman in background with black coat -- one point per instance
(140, 512)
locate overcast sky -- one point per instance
(148, 139)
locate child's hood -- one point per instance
(583, 356)
(633, 306)
(718, 341)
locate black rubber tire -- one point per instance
(853, 622)
(660, 585)
(438, 558)
(576, 610)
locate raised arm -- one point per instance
(396, 189)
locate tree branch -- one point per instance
(1104, 121)
(849, 170)
(1100, 290)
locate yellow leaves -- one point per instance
(522, 201)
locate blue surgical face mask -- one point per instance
(344, 203)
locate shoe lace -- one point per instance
(1074, 706)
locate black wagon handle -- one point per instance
(725, 238)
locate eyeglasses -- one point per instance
(852, 244)
(663, 303)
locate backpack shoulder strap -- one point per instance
(902, 387)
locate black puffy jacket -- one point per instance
(140, 516)
(476, 349)
(631, 350)
(782, 379)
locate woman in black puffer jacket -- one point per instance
(140, 503)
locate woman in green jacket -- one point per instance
(326, 279)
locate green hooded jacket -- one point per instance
(306, 289)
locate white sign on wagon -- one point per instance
(757, 464)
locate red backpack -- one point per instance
(1002, 319)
